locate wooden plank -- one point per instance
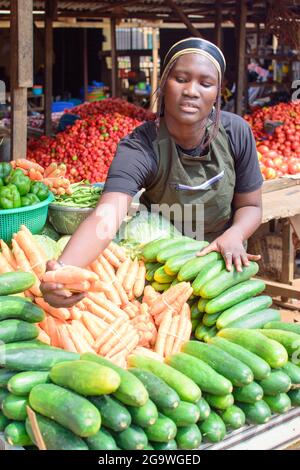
(275, 289)
(180, 13)
(240, 61)
(19, 123)
(218, 23)
(281, 204)
(85, 65)
(278, 184)
(50, 8)
(154, 78)
(114, 58)
(25, 43)
(295, 222)
(288, 253)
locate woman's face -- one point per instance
(191, 89)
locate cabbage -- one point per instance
(48, 245)
(61, 244)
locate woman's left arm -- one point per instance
(247, 217)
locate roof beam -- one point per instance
(171, 4)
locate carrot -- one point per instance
(132, 343)
(119, 359)
(69, 274)
(53, 333)
(121, 292)
(66, 340)
(139, 284)
(75, 313)
(35, 175)
(60, 313)
(118, 336)
(5, 267)
(131, 276)
(150, 295)
(27, 165)
(179, 340)
(89, 321)
(107, 267)
(167, 298)
(24, 265)
(162, 333)
(37, 262)
(108, 289)
(130, 310)
(171, 335)
(111, 258)
(100, 271)
(83, 331)
(122, 270)
(144, 308)
(7, 253)
(122, 343)
(43, 324)
(43, 337)
(108, 333)
(103, 302)
(38, 247)
(81, 305)
(80, 343)
(50, 169)
(118, 251)
(182, 299)
(82, 286)
(99, 311)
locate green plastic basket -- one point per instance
(34, 217)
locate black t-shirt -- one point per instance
(135, 164)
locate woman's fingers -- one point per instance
(208, 249)
(228, 260)
(253, 257)
(50, 286)
(238, 263)
(58, 301)
(245, 260)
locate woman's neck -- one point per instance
(187, 136)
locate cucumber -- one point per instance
(16, 435)
(14, 407)
(206, 274)
(17, 330)
(201, 373)
(159, 287)
(280, 325)
(131, 390)
(279, 403)
(195, 324)
(162, 277)
(220, 402)
(36, 358)
(173, 264)
(191, 269)
(256, 413)
(66, 408)
(20, 309)
(5, 375)
(294, 396)
(211, 333)
(150, 273)
(55, 436)
(242, 309)
(259, 367)
(179, 248)
(213, 428)
(133, 438)
(233, 369)
(269, 350)
(227, 279)
(195, 312)
(202, 304)
(151, 249)
(234, 295)
(114, 415)
(288, 339)
(201, 331)
(3, 394)
(163, 430)
(233, 417)
(173, 283)
(293, 372)
(256, 319)
(185, 414)
(249, 393)
(277, 382)
(103, 440)
(210, 320)
(85, 377)
(148, 447)
(145, 415)
(159, 392)
(4, 421)
(35, 343)
(170, 445)
(204, 409)
(188, 437)
(183, 385)
(15, 282)
(22, 383)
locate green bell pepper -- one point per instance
(9, 197)
(5, 170)
(29, 200)
(40, 190)
(21, 181)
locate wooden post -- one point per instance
(288, 254)
(50, 13)
(114, 59)
(171, 4)
(21, 43)
(218, 24)
(85, 65)
(241, 48)
(154, 78)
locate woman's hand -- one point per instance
(54, 294)
(230, 245)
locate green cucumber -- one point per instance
(269, 350)
(249, 393)
(204, 409)
(183, 385)
(233, 417)
(17, 330)
(184, 415)
(14, 407)
(294, 396)
(55, 436)
(85, 377)
(210, 320)
(190, 270)
(145, 415)
(22, 383)
(256, 319)
(195, 312)
(227, 279)
(5, 375)
(148, 447)
(256, 413)
(66, 408)
(293, 372)
(3, 394)
(179, 248)
(103, 440)
(16, 435)
(4, 421)
(162, 277)
(280, 325)
(37, 358)
(279, 403)
(159, 287)
(174, 264)
(159, 392)
(133, 438)
(131, 390)
(163, 430)
(15, 282)
(207, 274)
(242, 309)
(220, 402)
(277, 382)
(24, 344)
(288, 339)
(259, 366)
(213, 428)
(173, 283)
(234, 295)
(150, 273)
(201, 373)
(114, 415)
(151, 249)
(188, 437)
(170, 445)
(201, 331)
(20, 309)
(195, 324)
(202, 304)
(233, 369)
(211, 333)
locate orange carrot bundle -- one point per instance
(122, 270)
(28, 165)
(150, 296)
(75, 313)
(126, 342)
(109, 289)
(131, 277)
(7, 253)
(106, 304)
(35, 175)
(92, 324)
(69, 274)
(184, 330)
(80, 343)
(83, 331)
(37, 262)
(163, 332)
(107, 267)
(5, 267)
(171, 335)
(118, 251)
(24, 265)
(111, 331)
(50, 169)
(117, 341)
(100, 312)
(139, 284)
(60, 313)
(111, 258)
(66, 341)
(167, 298)
(182, 299)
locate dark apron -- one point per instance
(200, 189)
